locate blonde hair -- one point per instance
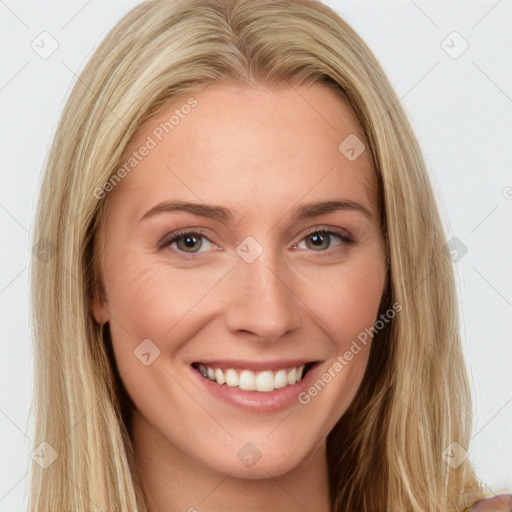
(385, 453)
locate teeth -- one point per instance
(280, 379)
(231, 378)
(219, 376)
(203, 370)
(247, 380)
(265, 381)
(292, 376)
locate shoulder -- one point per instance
(500, 502)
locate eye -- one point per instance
(186, 243)
(320, 240)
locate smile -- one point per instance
(248, 380)
(256, 386)
(266, 380)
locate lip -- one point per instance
(259, 401)
(239, 364)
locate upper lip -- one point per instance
(276, 364)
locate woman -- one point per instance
(247, 256)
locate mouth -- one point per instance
(263, 379)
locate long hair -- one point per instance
(387, 452)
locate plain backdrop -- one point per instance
(450, 64)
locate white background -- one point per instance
(460, 109)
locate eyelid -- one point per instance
(170, 237)
(343, 233)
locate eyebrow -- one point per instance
(222, 214)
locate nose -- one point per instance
(261, 301)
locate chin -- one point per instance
(254, 461)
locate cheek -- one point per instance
(346, 298)
(149, 299)
(346, 302)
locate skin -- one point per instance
(259, 152)
(494, 504)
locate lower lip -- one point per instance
(259, 401)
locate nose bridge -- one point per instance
(262, 301)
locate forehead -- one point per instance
(250, 147)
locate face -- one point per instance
(244, 246)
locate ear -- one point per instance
(99, 305)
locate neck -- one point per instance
(173, 480)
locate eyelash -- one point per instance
(166, 241)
